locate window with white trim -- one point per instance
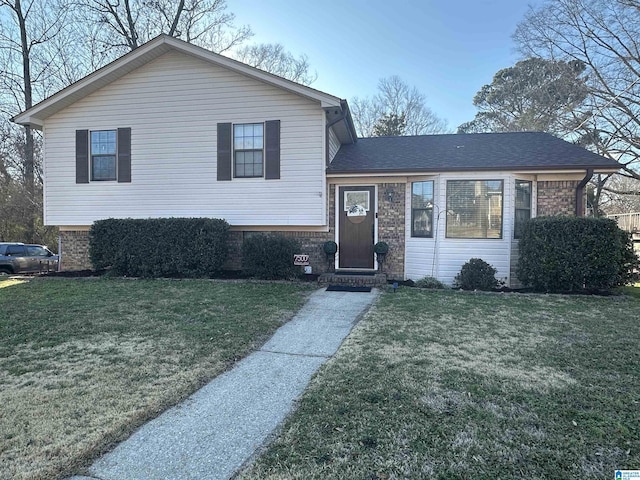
(248, 146)
(103, 155)
(523, 206)
(474, 208)
(422, 209)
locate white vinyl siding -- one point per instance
(334, 144)
(443, 257)
(173, 106)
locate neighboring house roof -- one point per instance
(144, 54)
(531, 151)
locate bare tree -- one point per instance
(395, 97)
(274, 58)
(27, 32)
(119, 26)
(622, 195)
(605, 36)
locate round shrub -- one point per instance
(476, 274)
(330, 247)
(381, 248)
(270, 256)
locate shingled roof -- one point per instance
(466, 152)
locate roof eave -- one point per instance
(522, 169)
(151, 50)
(28, 121)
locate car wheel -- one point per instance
(4, 272)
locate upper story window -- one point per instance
(474, 208)
(103, 155)
(248, 145)
(422, 209)
(523, 206)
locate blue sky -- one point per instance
(448, 49)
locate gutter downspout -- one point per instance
(580, 210)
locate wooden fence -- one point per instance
(627, 221)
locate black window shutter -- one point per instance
(224, 151)
(82, 156)
(272, 150)
(124, 155)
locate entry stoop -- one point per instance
(354, 278)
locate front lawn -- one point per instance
(442, 384)
(84, 362)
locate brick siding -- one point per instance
(391, 226)
(75, 250)
(557, 198)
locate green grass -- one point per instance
(441, 384)
(84, 362)
(631, 290)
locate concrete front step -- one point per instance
(375, 280)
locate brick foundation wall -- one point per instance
(75, 250)
(391, 226)
(557, 198)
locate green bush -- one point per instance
(568, 254)
(270, 256)
(476, 274)
(330, 247)
(381, 248)
(429, 282)
(162, 247)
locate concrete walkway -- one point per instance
(216, 430)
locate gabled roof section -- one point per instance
(342, 122)
(518, 151)
(146, 53)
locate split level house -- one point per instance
(174, 130)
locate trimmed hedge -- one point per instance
(163, 247)
(569, 254)
(270, 256)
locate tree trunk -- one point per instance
(29, 154)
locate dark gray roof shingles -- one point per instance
(464, 152)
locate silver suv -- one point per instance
(24, 258)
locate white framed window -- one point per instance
(523, 206)
(248, 150)
(103, 152)
(422, 209)
(474, 208)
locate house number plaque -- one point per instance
(300, 259)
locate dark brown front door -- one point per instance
(356, 210)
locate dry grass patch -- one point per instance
(84, 362)
(435, 384)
